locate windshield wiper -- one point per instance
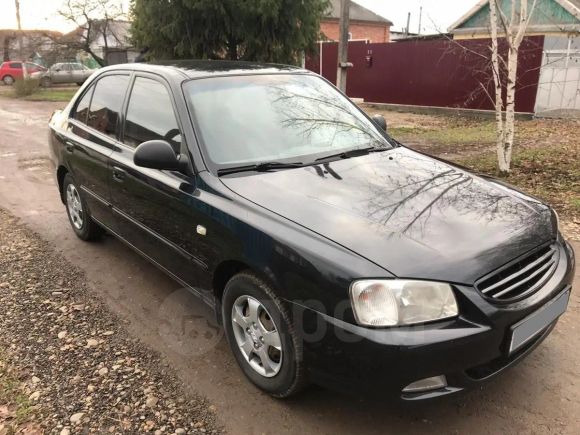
(260, 167)
(353, 153)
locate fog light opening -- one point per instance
(427, 384)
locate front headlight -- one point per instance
(398, 302)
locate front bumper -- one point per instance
(467, 350)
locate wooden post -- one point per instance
(343, 63)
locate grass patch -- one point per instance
(455, 135)
(52, 94)
(24, 88)
(454, 131)
(11, 396)
(402, 132)
(551, 173)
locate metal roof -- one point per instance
(572, 6)
(357, 13)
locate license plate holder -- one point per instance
(529, 327)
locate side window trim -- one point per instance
(163, 82)
(93, 86)
(73, 112)
(121, 117)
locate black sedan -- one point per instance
(330, 252)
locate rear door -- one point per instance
(154, 208)
(92, 135)
(78, 75)
(62, 74)
(15, 70)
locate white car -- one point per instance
(66, 72)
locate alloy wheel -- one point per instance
(257, 336)
(75, 206)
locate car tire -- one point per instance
(8, 80)
(78, 212)
(80, 83)
(277, 370)
(45, 82)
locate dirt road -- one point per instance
(542, 395)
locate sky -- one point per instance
(437, 14)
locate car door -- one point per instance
(90, 139)
(153, 207)
(55, 72)
(15, 70)
(77, 73)
(62, 74)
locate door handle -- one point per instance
(119, 174)
(69, 147)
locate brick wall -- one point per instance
(375, 32)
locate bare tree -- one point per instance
(505, 70)
(93, 19)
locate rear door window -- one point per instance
(16, 65)
(82, 109)
(106, 104)
(150, 115)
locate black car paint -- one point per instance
(312, 231)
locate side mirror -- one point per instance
(156, 154)
(380, 121)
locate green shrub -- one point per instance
(23, 88)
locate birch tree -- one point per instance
(514, 29)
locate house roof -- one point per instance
(357, 13)
(572, 6)
(36, 32)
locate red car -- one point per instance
(12, 70)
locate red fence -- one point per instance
(440, 73)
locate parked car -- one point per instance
(66, 72)
(330, 252)
(12, 70)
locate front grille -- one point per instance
(520, 277)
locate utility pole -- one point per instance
(20, 36)
(343, 63)
(19, 26)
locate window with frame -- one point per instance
(82, 109)
(150, 115)
(16, 65)
(107, 103)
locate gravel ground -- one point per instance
(76, 368)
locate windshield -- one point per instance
(281, 117)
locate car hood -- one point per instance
(415, 216)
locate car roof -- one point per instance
(208, 68)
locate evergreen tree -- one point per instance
(254, 30)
